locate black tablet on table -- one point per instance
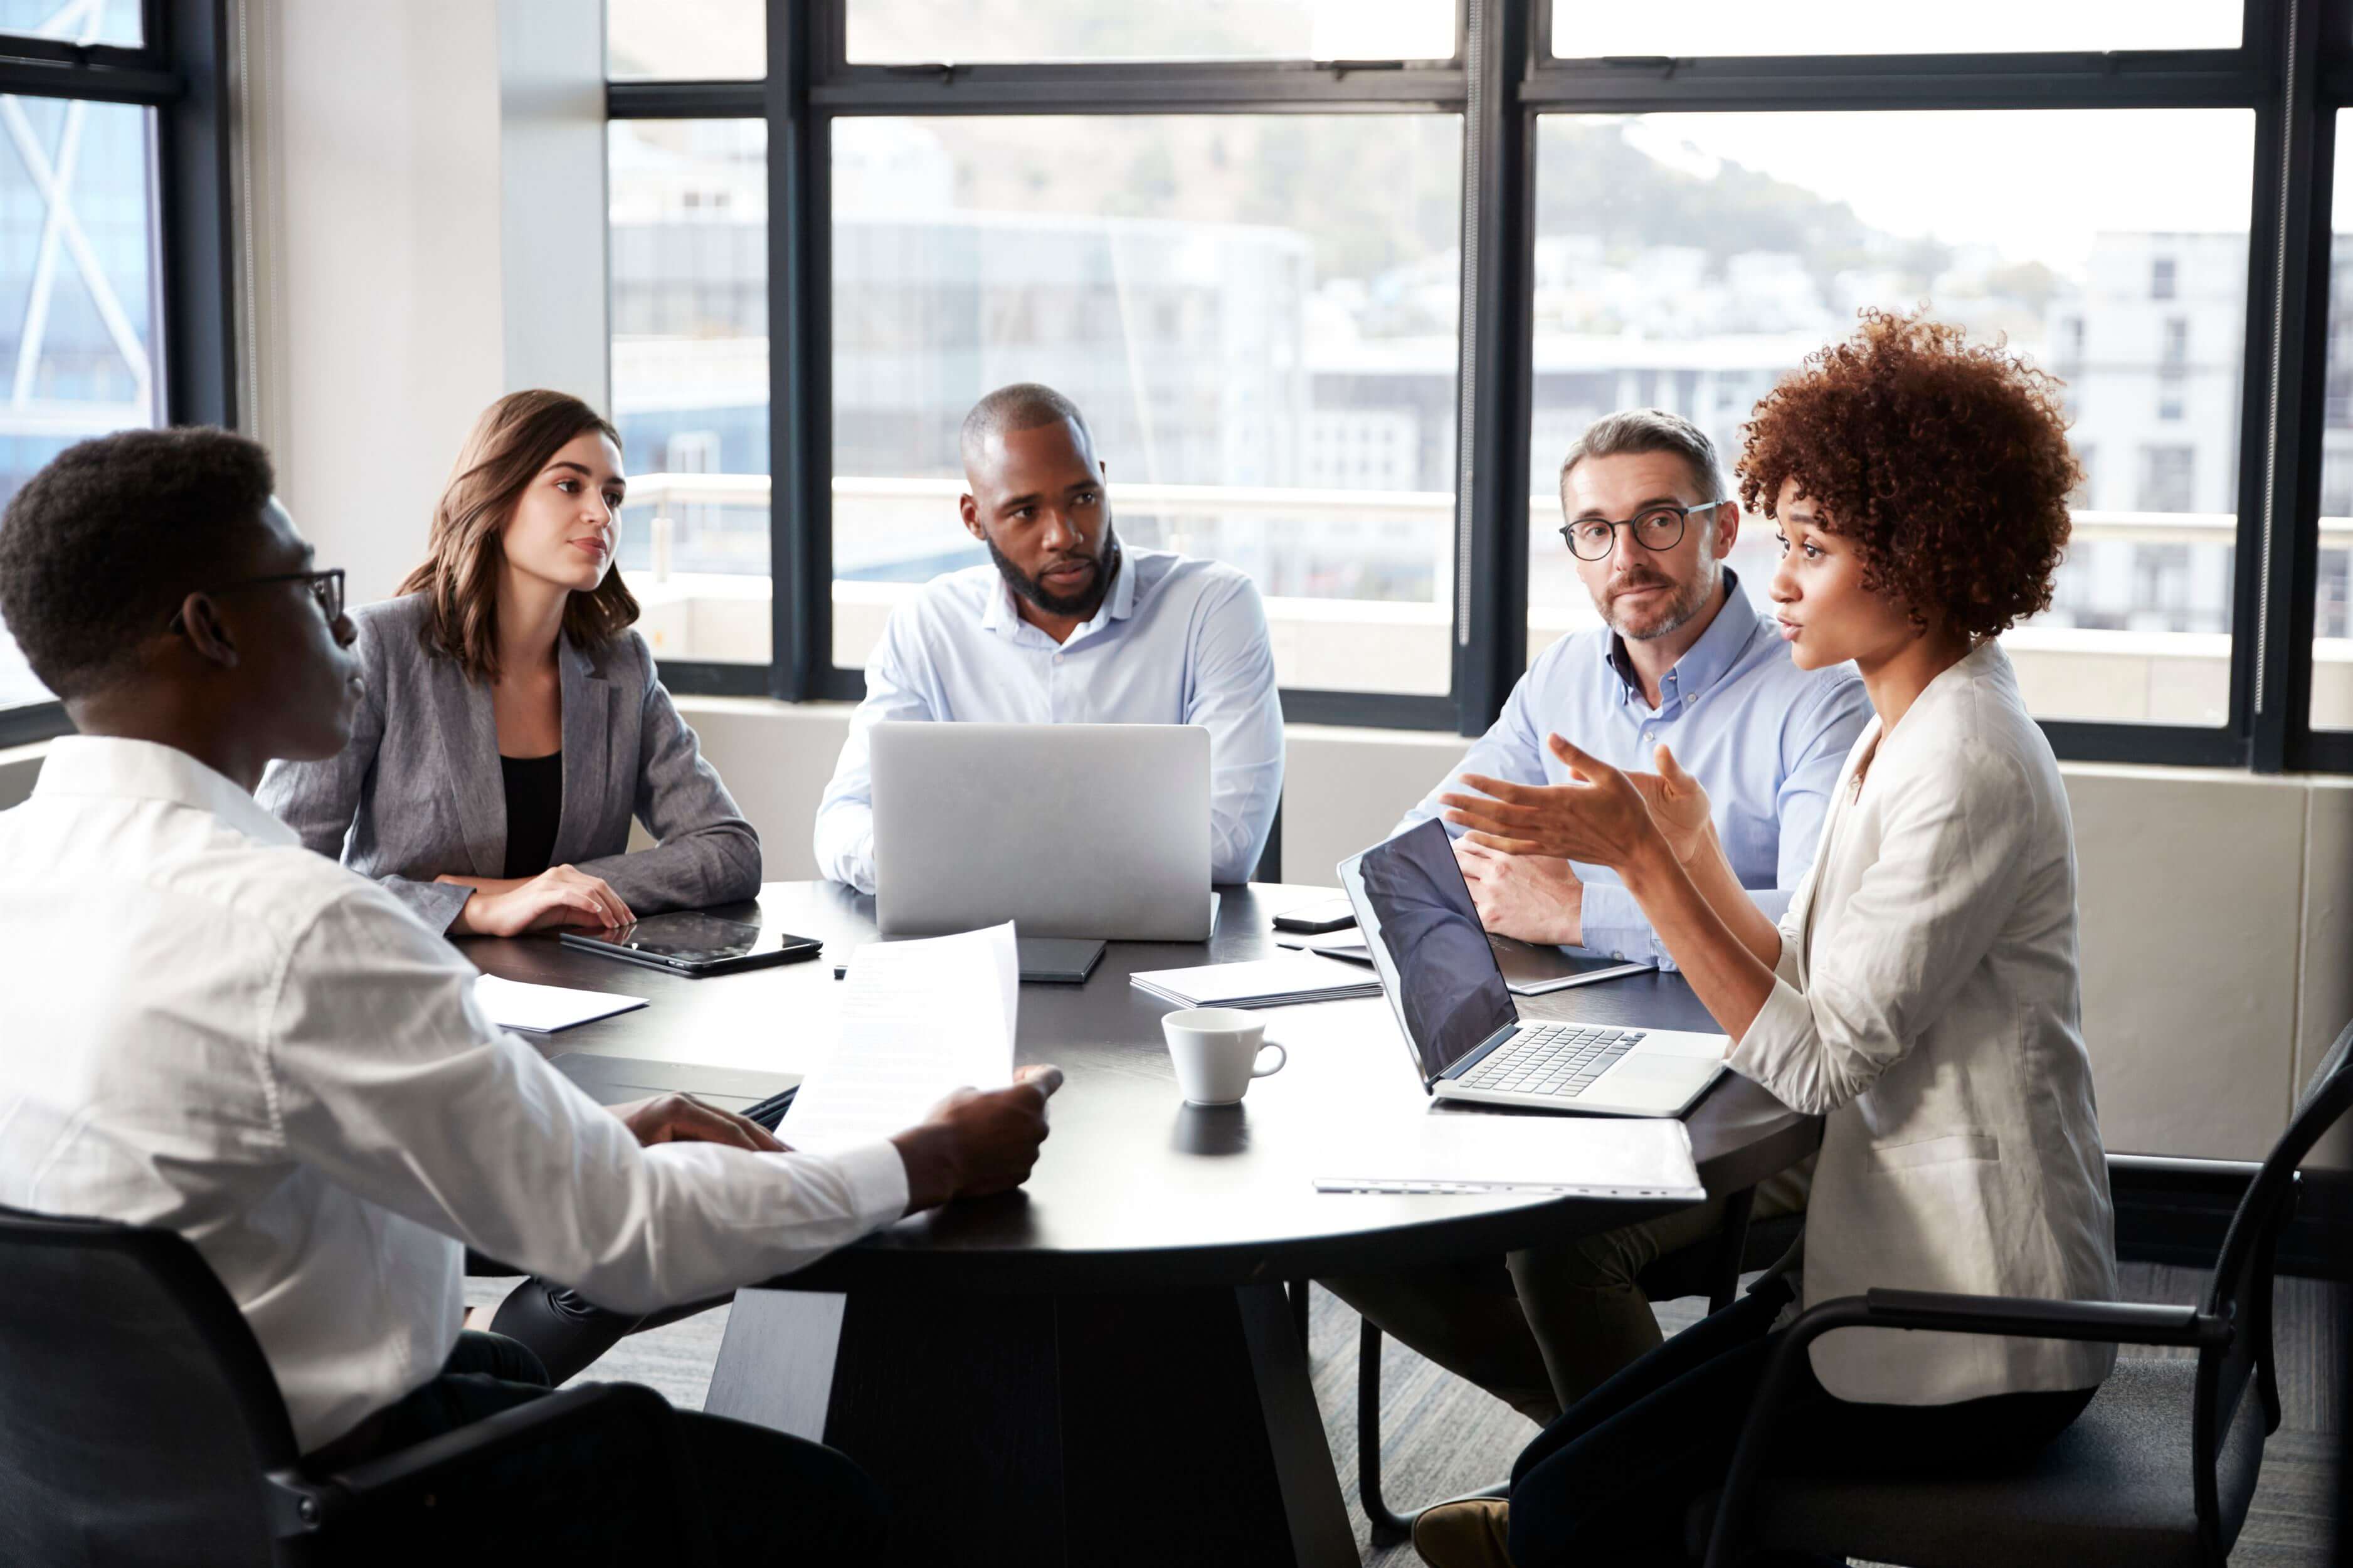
(689, 943)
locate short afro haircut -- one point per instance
(1945, 462)
(1024, 406)
(98, 548)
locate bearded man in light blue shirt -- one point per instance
(1683, 658)
(1068, 624)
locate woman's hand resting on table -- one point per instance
(559, 896)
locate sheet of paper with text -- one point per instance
(919, 1020)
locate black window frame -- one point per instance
(181, 70)
(2291, 70)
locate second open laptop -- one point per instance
(1468, 1040)
(1072, 831)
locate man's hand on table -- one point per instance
(972, 1144)
(1532, 897)
(682, 1119)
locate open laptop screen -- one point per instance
(1426, 940)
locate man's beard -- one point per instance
(1078, 607)
(1689, 602)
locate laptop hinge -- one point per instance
(1472, 1057)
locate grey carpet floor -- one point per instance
(1440, 1437)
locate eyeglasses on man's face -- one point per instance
(326, 587)
(1654, 528)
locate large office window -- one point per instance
(78, 307)
(114, 246)
(689, 258)
(1256, 313)
(1337, 281)
(1687, 261)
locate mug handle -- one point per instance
(1281, 1058)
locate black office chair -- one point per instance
(138, 1423)
(1710, 1268)
(1270, 860)
(2159, 1469)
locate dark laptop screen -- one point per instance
(1433, 957)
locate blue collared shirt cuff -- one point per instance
(1612, 923)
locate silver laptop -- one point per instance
(1076, 830)
(1468, 1040)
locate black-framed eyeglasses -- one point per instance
(326, 587)
(1654, 528)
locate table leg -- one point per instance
(1175, 1428)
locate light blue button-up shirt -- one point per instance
(1177, 641)
(1764, 737)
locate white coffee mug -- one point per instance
(1215, 1050)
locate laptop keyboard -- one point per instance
(1560, 1059)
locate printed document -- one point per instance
(919, 1020)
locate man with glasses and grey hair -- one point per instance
(1684, 659)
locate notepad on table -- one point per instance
(544, 1009)
(1258, 983)
(1470, 1152)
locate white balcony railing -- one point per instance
(1364, 644)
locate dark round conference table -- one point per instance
(1102, 1367)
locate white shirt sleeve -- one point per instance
(1234, 697)
(1925, 914)
(383, 1075)
(844, 816)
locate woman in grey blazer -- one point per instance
(513, 723)
(513, 727)
(1922, 993)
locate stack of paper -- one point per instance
(1467, 1152)
(1260, 982)
(919, 1020)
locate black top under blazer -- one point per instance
(418, 793)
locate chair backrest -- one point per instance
(2228, 1449)
(137, 1414)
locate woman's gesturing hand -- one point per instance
(1677, 805)
(1603, 821)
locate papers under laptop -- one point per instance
(1448, 1154)
(919, 1020)
(1462, 1024)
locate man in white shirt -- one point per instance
(1069, 626)
(214, 1031)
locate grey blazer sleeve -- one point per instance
(707, 853)
(321, 800)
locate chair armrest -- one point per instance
(305, 1504)
(2028, 1318)
(1941, 1312)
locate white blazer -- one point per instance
(1928, 1003)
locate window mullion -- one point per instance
(1492, 445)
(2284, 340)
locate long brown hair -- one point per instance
(514, 439)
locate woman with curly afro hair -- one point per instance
(1922, 994)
